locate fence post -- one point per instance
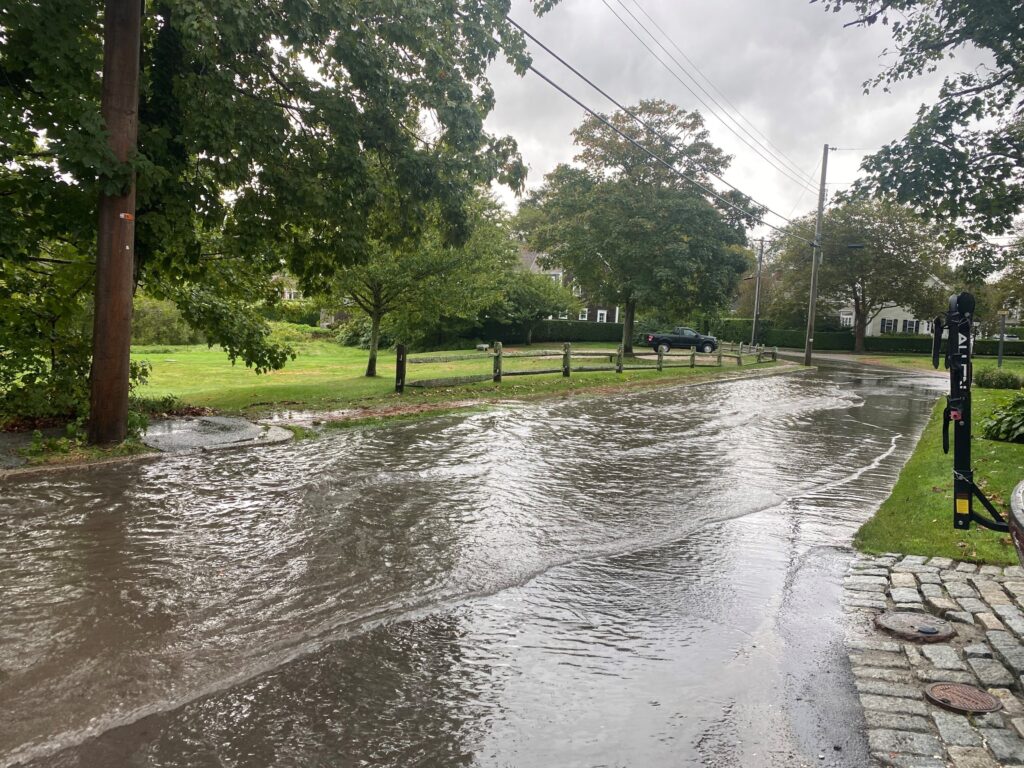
(400, 368)
(693, 357)
(739, 359)
(566, 359)
(618, 359)
(775, 354)
(497, 362)
(661, 358)
(719, 356)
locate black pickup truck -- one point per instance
(684, 338)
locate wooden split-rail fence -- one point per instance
(616, 362)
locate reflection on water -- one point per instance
(591, 582)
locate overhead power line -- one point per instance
(778, 152)
(658, 158)
(788, 174)
(647, 126)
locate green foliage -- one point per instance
(529, 297)
(991, 347)
(254, 119)
(158, 321)
(1007, 422)
(296, 333)
(415, 283)
(996, 378)
(630, 232)
(960, 161)
(297, 311)
(823, 340)
(577, 330)
(236, 326)
(894, 263)
(356, 332)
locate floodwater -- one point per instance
(648, 579)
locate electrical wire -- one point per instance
(785, 172)
(767, 144)
(639, 120)
(594, 113)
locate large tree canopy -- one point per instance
(255, 119)
(631, 231)
(962, 162)
(876, 254)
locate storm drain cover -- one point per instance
(960, 697)
(919, 627)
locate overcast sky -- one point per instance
(789, 67)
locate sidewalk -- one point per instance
(984, 604)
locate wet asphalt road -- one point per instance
(649, 579)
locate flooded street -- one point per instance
(647, 579)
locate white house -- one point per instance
(888, 321)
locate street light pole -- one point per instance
(757, 292)
(815, 258)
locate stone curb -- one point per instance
(986, 606)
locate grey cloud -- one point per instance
(787, 65)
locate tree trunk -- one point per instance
(529, 332)
(627, 327)
(371, 364)
(860, 323)
(115, 251)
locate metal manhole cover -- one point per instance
(919, 627)
(961, 697)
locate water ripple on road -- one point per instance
(519, 586)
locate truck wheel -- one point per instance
(663, 347)
(707, 348)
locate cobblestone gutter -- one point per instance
(984, 603)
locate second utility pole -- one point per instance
(757, 293)
(815, 258)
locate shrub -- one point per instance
(156, 321)
(298, 311)
(291, 333)
(1006, 422)
(996, 378)
(356, 333)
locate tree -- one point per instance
(632, 232)
(254, 117)
(875, 254)
(960, 163)
(419, 280)
(529, 297)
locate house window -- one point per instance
(911, 326)
(584, 314)
(889, 325)
(577, 291)
(564, 315)
(602, 315)
(846, 320)
(556, 277)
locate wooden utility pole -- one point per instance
(815, 258)
(757, 292)
(115, 253)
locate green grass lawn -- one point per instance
(326, 376)
(917, 518)
(924, 362)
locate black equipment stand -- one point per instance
(958, 321)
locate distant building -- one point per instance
(595, 313)
(889, 321)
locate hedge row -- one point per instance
(843, 342)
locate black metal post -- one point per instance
(400, 368)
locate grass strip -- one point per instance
(917, 519)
